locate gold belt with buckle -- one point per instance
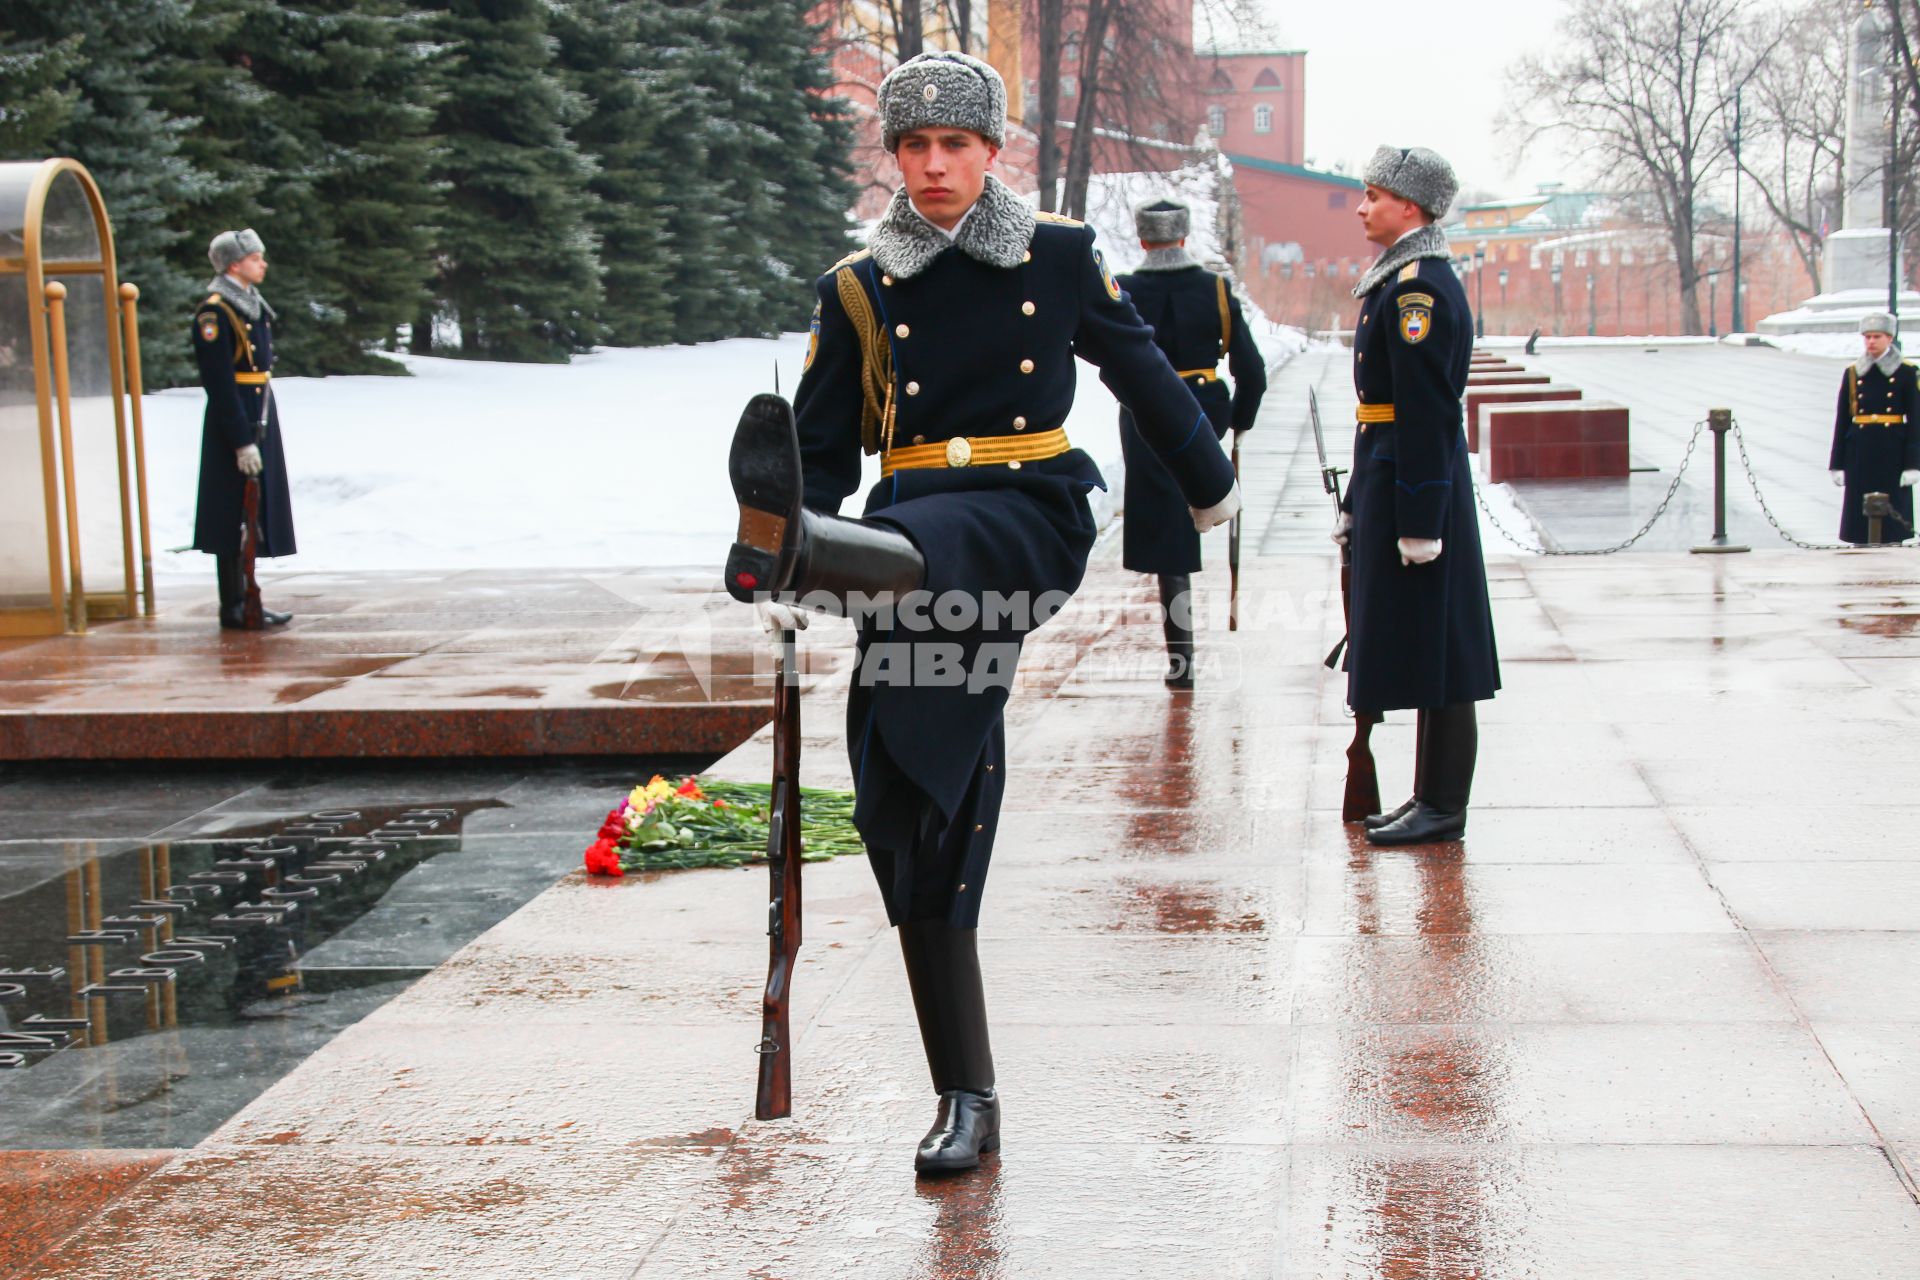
(253, 379)
(1879, 419)
(977, 451)
(1205, 375)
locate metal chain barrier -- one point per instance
(1753, 482)
(1538, 549)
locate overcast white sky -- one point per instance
(1419, 73)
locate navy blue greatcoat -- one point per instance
(978, 350)
(1420, 635)
(1183, 306)
(1873, 454)
(232, 422)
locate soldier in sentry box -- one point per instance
(947, 348)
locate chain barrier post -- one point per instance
(1719, 421)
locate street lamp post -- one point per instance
(1554, 275)
(1737, 326)
(1480, 290)
(1503, 296)
(1590, 305)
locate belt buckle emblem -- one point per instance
(959, 452)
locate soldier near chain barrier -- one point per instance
(1196, 322)
(947, 347)
(1876, 431)
(1421, 626)
(240, 435)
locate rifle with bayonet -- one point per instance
(1363, 780)
(774, 1098)
(1233, 549)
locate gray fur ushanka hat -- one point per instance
(1880, 322)
(229, 247)
(1416, 174)
(943, 90)
(1162, 221)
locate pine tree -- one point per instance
(518, 258)
(132, 147)
(36, 92)
(599, 47)
(333, 132)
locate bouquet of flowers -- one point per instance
(664, 825)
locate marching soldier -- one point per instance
(1876, 438)
(240, 435)
(1196, 322)
(947, 348)
(1421, 627)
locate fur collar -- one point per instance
(1886, 363)
(1427, 242)
(997, 232)
(245, 298)
(1175, 258)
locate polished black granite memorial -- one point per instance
(172, 941)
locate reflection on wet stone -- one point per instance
(148, 992)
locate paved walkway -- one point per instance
(1658, 1015)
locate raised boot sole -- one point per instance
(764, 466)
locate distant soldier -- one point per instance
(1876, 440)
(1421, 626)
(240, 436)
(947, 347)
(1196, 321)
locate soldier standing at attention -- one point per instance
(240, 435)
(1421, 628)
(947, 348)
(1196, 322)
(1876, 440)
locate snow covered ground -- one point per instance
(618, 459)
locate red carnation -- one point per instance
(615, 826)
(603, 859)
(690, 788)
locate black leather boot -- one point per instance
(1450, 743)
(233, 596)
(1374, 821)
(1176, 605)
(782, 548)
(943, 967)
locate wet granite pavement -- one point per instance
(506, 663)
(1657, 1015)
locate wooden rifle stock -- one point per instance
(252, 612)
(1363, 779)
(773, 1100)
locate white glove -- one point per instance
(1908, 479)
(247, 459)
(1220, 512)
(776, 617)
(1839, 479)
(1419, 550)
(1342, 527)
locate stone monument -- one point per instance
(1853, 266)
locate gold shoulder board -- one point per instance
(1041, 215)
(856, 256)
(1411, 270)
